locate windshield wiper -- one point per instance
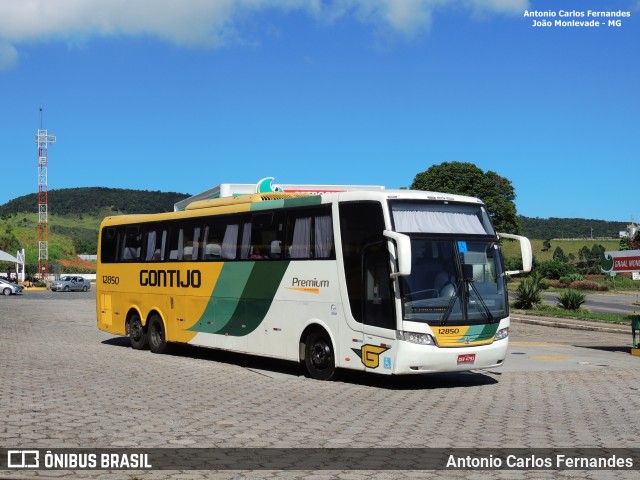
(490, 318)
(452, 302)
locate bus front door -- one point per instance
(378, 313)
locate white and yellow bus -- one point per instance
(392, 282)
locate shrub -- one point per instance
(544, 283)
(529, 293)
(579, 285)
(571, 300)
(555, 270)
(569, 279)
(77, 266)
(588, 285)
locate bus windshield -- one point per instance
(456, 268)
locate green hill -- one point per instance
(548, 228)
(96, 201)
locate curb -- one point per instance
(573, 324)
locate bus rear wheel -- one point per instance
(137, 335)
(319, 358)
(157, 335)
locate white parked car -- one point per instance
(69, 284)
(9, 288)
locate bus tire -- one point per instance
(319, 357)
(137, 333)
(156, 334)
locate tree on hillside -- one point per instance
(624, 244)
(8, 241)
(466, 179)
(543, 228)
(559, 256)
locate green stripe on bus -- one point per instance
(480, 332)
(257, 298)
(267, 205)
(241, 298)
(225, 297)
(288, 203)
(303, 201)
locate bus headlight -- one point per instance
(413, 337)
(502, 333)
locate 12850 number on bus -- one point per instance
(110, 280)
(448, 331)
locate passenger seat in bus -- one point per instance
(212, 251)
(131, 253)
(276, 249)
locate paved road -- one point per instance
(66, 384)
(613, 303)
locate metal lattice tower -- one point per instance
(43, 140)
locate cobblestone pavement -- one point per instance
(67, 385)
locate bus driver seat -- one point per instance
(445, 281)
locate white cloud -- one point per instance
(498, 6)
(183, 22)
(8, 56)
(210, 23)
(410, 17)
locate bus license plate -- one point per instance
(468, 358)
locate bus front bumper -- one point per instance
(413, 358)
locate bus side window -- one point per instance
(176, 237)
(299, 241)
(212, 239)
(323, 238)
(195, 244)
(310, 234)
(183, 240)
(109, 245)
(229, 249)
(190, 244)
(245, 246)
(132, 245)
(266, 236)
(155, 243)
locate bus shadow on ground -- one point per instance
(423, 381)
(607, 348)
(283, 369)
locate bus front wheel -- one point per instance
(137, 335)
(319, 358)
(157, 335)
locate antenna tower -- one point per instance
(43, 140)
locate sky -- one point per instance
(183, 95)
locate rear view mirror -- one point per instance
(402, 253)
(525, 250)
